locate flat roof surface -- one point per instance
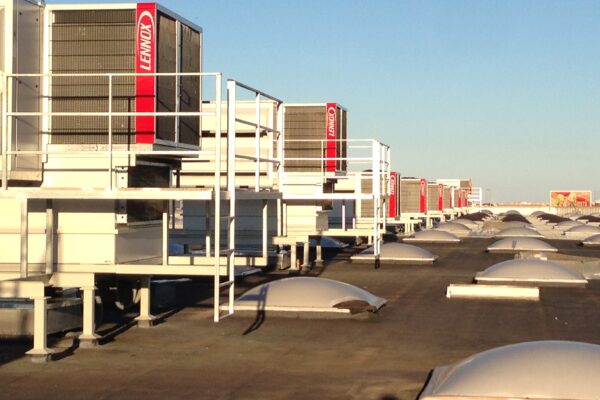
(383, 356)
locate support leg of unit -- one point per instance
(88, 338)
(319, 256)
(306, 257)
(39, 352)
(293, 257)
(24, 269)
(49, 237)
(265, 229)
(145, 319)
(207, 243)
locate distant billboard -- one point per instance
(573, 198)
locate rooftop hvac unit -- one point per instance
(447, 197)
(456, 198)
(315, 137)
(413, 195)
(466, 185)
(124, 38)
(434, 197)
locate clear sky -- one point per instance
(505, 92)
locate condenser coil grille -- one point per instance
(410, 196)
(92, 41)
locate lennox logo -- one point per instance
(331, 122)
(145, 34)
(423, 185)
(393, 184)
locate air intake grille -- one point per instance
(410, 196)
(432, 197)
(92, 41)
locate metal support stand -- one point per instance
(207, 244)
(265, 229)
(344, 214)
(293, 257)
(145, 319)
(24, 237)
(306, 255)
(39, 352)
(88, 338)
(49, 237)
(319, 255)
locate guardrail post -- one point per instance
(257, 145)
(4, 126)
(217, 199)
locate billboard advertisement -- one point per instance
(572, 198)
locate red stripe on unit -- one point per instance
(331, 136)
(145, 62)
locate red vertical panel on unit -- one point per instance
(423, 195)
(440, 197)
(393, 207)
(331, 136)
(460, 198)
(145, 62)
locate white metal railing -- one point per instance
(365, 160)
(475, 198)
(9, 113)
(110, 152)
(274, 132)
(368, 159)
(584, 210)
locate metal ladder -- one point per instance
(229, 284)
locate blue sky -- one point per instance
(505, 92)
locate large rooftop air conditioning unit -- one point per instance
(315, 137)
(413, 195)
(435, 195)
(123, 38)
(448, 197)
